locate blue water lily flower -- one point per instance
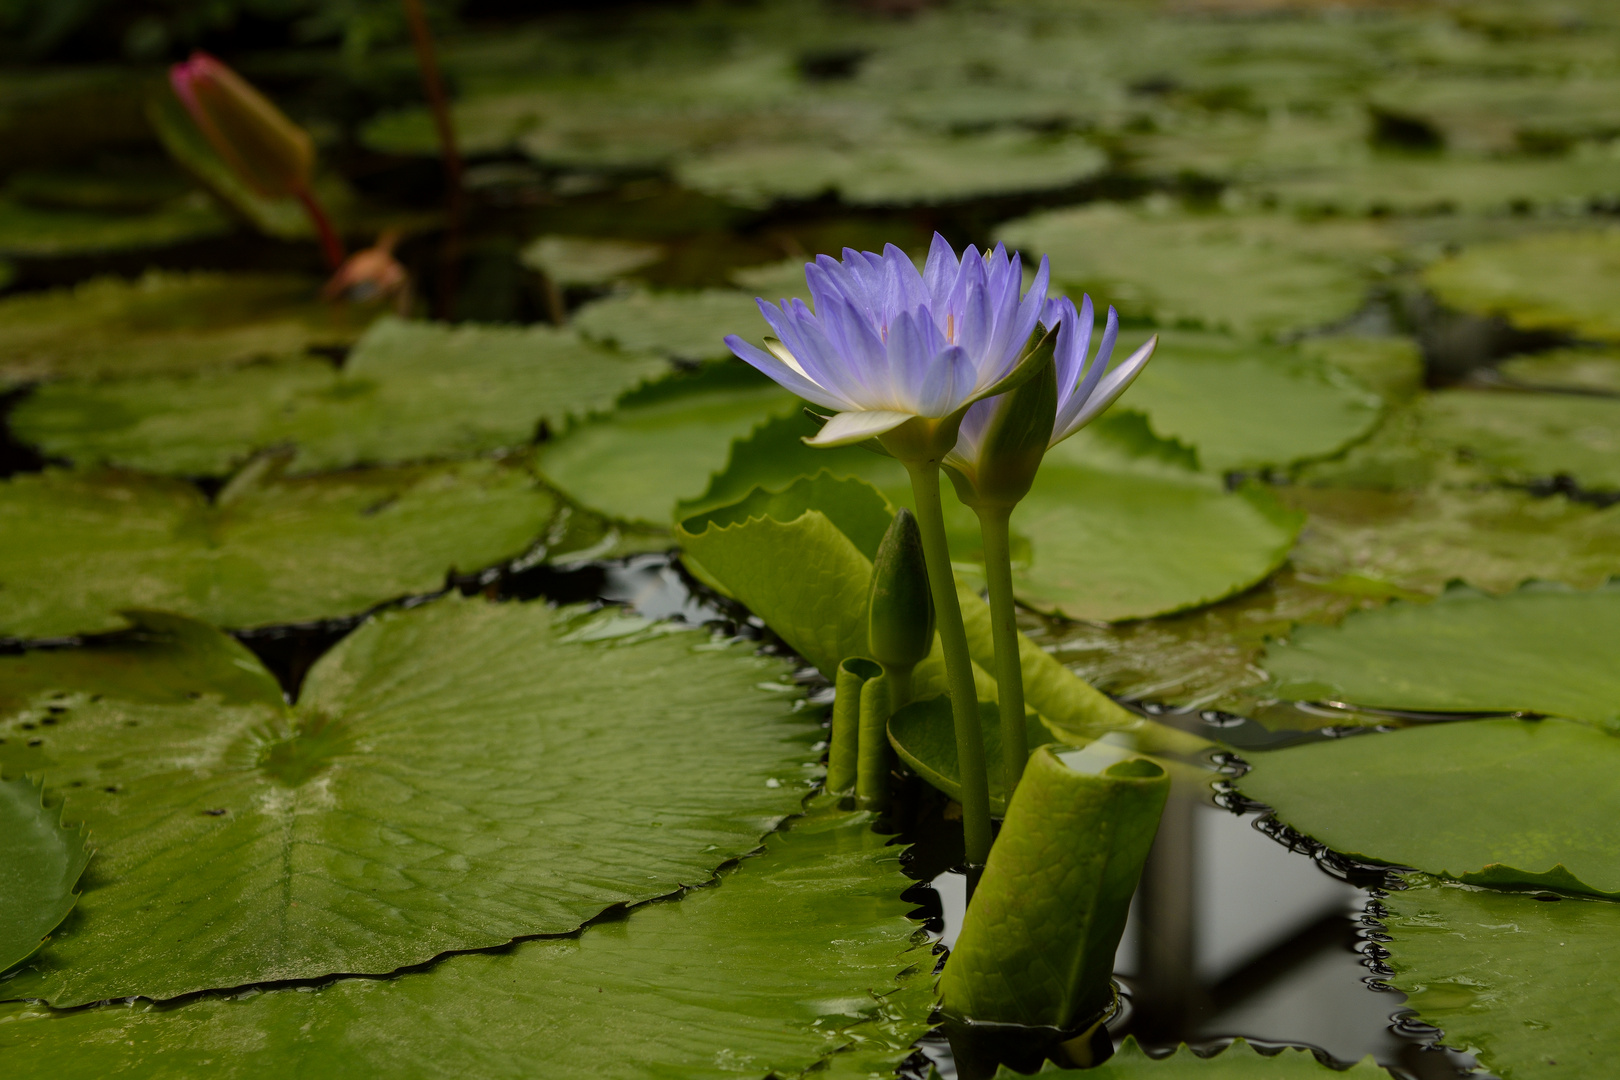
(899, 353)
(1085, 387)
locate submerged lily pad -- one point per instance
(1250, 274)
(1239, 1061)
(410, 391)
(1542, 649)
(800, 961)
(1494, 802)
(453, 776)
(166, 322)
(81, 546)
(1552, 281)
(38, 232)
(1520, 982)
(689, 326)
(39, 867)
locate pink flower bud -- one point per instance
(270, 153)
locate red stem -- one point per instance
(331, 243)
(439, 106)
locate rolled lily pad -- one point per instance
(1553, 281)
(1581, 370)
(39, 867)
(452, 777)
(894, 169)
(1249, 406)
(409, 391)
(37, 232)
(1239, 1061)
(689, 326)
(1519, 981)
(165, 322)
(1524, 437)
(800, 960)
(81, 546)
(1542, 649)
(580, 260)
(663, 443)
(1493, 802)
(1419, 541)
(1249, 274)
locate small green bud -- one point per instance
(900, 614)
(1013, 442)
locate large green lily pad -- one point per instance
(1420, 540)
(1542, 649)
(1520, 982)
(81, 546)
(34, 231)
(1553, 281)
(453, 776)
(1493, 802)
(1248, 406)
(39, 867)
(1525, 437)
(689, 326)
(663, 443)
(799, 959)
(409, 391)
(1239, 1061)
(166, 322)
(1249, 274)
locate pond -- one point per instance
(445, 629)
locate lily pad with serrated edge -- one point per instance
(452, 776)
(689, 326)
(409, 391)
(39, 866)
(80, 547)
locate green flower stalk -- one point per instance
(998, 451)
(1037, 944)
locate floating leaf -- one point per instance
(453, 776)
(164, 322)
(1392, 367)
(801, 956)
(1526, 437)
(1248, 406)
(1494, 539)
(1494, 802)
(1521, 982)
(774, 281)
(37, 232)
(1542, 649)
(895, 168)
(663, 443)
(1581, 370)
(1402, 184)
(409, 391)
(1248, 274)
(1239, 1061)
(924, 735)
(688, 326)
(39, 866)
(580, 260)
(81, 546)
(1552, 281)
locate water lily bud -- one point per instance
(270, 153)
(900, 615)
(1012, 440)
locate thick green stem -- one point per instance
(872, 774)
(1004, 631)
(958, 663)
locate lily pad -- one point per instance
(1246, 406)
(1449, 184)
(1581, 370)
(1521, 982)
(38, 232)
(1420, 540)
(1493, 802)
(1524, 437)
(895, 168)
(1239, 1061)
(580, 260)
(452, 777)
(166, 322)
(1250, 274)
(924, 736)
(410, 391)
(1542, 649)
(39, 868)
(81, 546)
(1392, 367)
(687, 326)
(801, 960)
(1552, 281)
(663, 442)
